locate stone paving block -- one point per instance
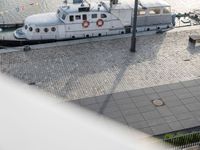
(161, 88)
(128, 112)
(153, 96)
(87, 101)
(103, 98)
(161, 129)
(193, 106)
(113, 114)
(169, 119)
(120, 95)
(139, 125)
(109, 103)
(189, 83)
(120, 120)
(197, 93)
(170, 98)
(173, 103)
(151, 115)
(166, 94)
(194, 88)
(174, 86)
(124, 101)
(127, 106)
(93, 107)
(178, 109)
(104, 109)
(164, 111)
(182, 93)
(143, 103)
(134, 118)
(197, 80)
(157, 121)
(140, 98)
(196, 113)
(146, 108)
(147, 130)
(175, 126)
(184, 116)
(198, 98)
(149, 90)
(135, 93)
(189, 123)
(189, 100)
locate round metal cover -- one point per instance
(158, 102)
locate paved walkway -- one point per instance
(181, 109)
(104, 67)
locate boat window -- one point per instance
(71, 18)
(141, 12)
(103, 16)
(78, 17)
(63, 17)
(166, 10)
(53, 29)
(37, 30)
(46, 29)
(30, 29)
(154, 11)
(26, 27)
(84, 17)
(94, 16)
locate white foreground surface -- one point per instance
(30, 121)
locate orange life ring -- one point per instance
(100, 23)
(85, 23)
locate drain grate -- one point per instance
(158, 102)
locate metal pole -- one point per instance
(134, 24)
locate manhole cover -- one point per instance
(158, 102)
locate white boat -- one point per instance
(82, 19)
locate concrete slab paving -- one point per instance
(152, 119)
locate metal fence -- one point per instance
(184, 141)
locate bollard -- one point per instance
(27, 48)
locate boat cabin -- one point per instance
(81, 19)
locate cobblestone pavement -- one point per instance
(99, 68)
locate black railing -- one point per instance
(184, 141)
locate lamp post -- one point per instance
(134, 24)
